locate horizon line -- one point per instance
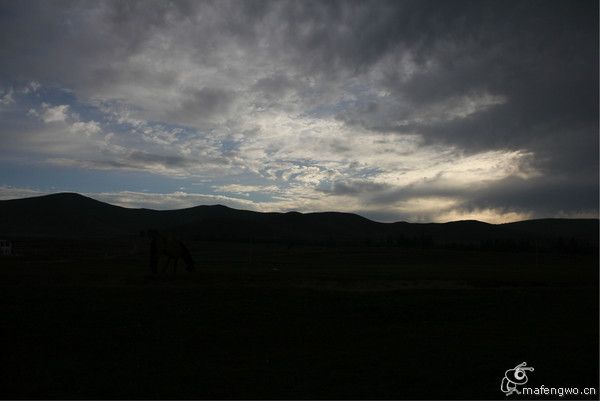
(87, 196)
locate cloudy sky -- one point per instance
(400, 110)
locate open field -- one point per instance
(273, 321)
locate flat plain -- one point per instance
(86, 319)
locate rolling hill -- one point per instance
(70, 215)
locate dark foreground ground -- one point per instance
(279, 322)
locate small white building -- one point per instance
(5, 247)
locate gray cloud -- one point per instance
(202, 104)
(166, 160)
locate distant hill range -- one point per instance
(70, 215)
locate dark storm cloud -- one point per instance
(541, 196)
(356, 187)
(382, 194)
(541, 57)
(546, 196)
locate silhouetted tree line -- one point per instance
(562, 245)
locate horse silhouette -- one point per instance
(167, 246)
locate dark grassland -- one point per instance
(85, 319)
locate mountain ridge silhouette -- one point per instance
(76, 215)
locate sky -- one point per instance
(420, 111)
